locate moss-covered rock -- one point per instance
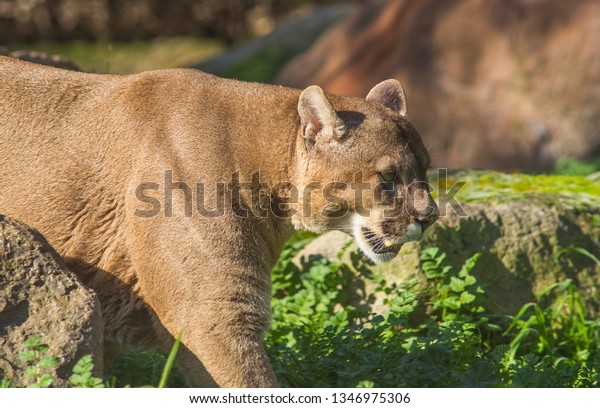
(519, 223)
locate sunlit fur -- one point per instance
(75, 148)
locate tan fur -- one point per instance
(75, 147)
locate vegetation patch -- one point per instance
(317, 340)
(130, 57)
(489, 187)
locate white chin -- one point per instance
(367, 250)
(377, 258)
(360, 225)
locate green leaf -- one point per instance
(47, 362)
(578, 250)
(429, 253)
(28, 355)
(32, 342)
(365, 384)
(451, 302)
(45, 381)
(96, 383)
(377, 319)
(457, 285)
(42, 348)
(469, 265)
(84, 365)
(76, 380)
(30, 372)
(466, 298)
(470, 280)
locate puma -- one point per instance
(109, 168)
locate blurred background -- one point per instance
(511, 85)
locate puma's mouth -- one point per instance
(379, 244)
(382, 248)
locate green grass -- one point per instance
(130, 57)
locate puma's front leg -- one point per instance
(223, 318)
(213, 280)
(222, 356)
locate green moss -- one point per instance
(579, 192)
(549, 183)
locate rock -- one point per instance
(518, 241)
(509, 85)
(267, 54)
(40, 296)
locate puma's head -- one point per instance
(362, 169)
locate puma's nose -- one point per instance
(427, 217)
(424, 209)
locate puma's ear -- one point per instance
(391, 94)
(320, 123)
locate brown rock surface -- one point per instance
(40, 297)
(501, 84)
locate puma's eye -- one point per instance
(388, 175)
